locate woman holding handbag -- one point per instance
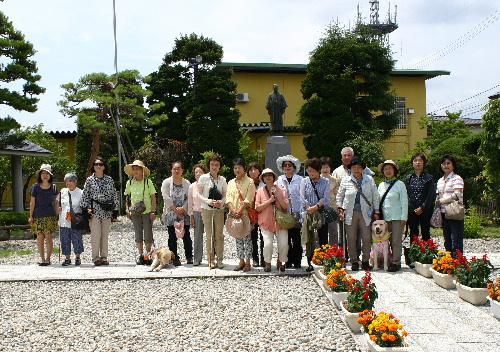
(268, 201)
(42, 213)
(69, 205)
(240, 197)
(450, 197)
(393, 209)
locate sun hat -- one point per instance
(129, 168)
(387, 162)
(238, 228)
(267, 171)
(45, 167)
(290, 158)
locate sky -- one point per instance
(73, 38)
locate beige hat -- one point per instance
(129, 168)
(268, 171)
(387, 162)
(45, 167)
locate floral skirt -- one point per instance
(44, 225)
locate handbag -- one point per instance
(381, 216)
(238, 228)
(79, 221)
(296, 216)
(106, 205)
(436, 218)
(140, 207)
(284, 219)
(454, 211)
(329, 214)
(253, 215)
(179, 228)
(213, 192)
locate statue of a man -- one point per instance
(276, 106)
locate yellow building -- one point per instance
(255, 81)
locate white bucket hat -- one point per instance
(47, 168)
(290, 158)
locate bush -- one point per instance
(473, 224)
(11, 218)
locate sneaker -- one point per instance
(220, 265)
(66, 262)
(189, 261)
(355, 266)
(98, 262)
(366, 266)
(140, 260)
(78, 261)
(177, 262)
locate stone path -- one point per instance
(436, 318)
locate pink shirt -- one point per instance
(446, 187)
(194, 202)
(267, 220)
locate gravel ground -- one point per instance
(245, 314)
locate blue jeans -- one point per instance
(453, 232)
(69, 236)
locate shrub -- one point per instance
(473, 225)
(12, 218)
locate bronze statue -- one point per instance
(276, 106)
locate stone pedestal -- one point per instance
(276, 146)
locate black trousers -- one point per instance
(322, 238)
(257, 256)
(188, 243)
(295, 247)
(423, 221)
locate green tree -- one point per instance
(367, 145)
(246, 150)
(489, 152)
(172, 85)
(441, 129)
(17, 68)
(96, 101)
(347, 89)
(60, 162)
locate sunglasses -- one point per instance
(98, 164)
(287, 165)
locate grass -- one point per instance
(488, 232)
(9, 252)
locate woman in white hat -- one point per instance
(267, 199)
(393, 209)
(175, 191)
(290, 183)
(101, 201)
(42, 213)
(141, 208)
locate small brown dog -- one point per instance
(162, 257)
(380, 244)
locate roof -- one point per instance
(302, 68)
(28, 149)
(467, 121)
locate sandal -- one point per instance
(98, 262)
(104, 262)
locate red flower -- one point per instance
(366, 295)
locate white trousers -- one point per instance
(281, 239)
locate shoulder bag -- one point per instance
(383, 198)
(454, 210)
(107, 205)
(284, 219)
(79, 221)
(329, 213)
(253, 215)
(140, 207)
(370, 211)
(296, 216)
(213, 192)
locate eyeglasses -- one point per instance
(287, 165)
(447, 163)
(98, 164)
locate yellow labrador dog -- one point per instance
(162, 257)
(380, 244)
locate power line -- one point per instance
(463, 100)
(470, 113)
(460, 41)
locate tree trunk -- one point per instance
(94, 151)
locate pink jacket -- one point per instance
(267, 220)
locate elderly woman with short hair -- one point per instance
(450, 187)
(69, 204)
(357, 201)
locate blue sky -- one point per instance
(73, 38)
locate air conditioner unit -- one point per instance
(242, 98)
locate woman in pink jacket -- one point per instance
(267, 198)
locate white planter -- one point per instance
(443, 280)
(423, 269)
(376, 348)
(495, 307)
(475, 296)
(338, 298)
(319, 273)
(351, 319)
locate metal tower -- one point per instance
(381, 29)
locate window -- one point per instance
(401, 110)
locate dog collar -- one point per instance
(386, 238)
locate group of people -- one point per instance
(334, 206)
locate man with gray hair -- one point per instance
(347, 153)
(68, 205)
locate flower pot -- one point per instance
(319, 273)
(376, 348)
(351, 318)
(495, 307)
(423, 269)
(443, 280)
(339, 297)
(476, 296)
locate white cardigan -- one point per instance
(166, 191)
(346, 197)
